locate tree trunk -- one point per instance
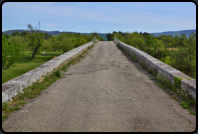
(35, 51)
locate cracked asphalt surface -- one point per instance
(104, 91)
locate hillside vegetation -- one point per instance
(51, 33)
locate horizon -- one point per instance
(101, 33)
(100, 17)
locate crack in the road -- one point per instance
(181, 115)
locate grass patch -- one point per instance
(12, 109)
(57, 73)
(22, 103)
(5, 106)
(26, 64)
(4, 117)
(64, 68)
(192, 112)
(185, 104)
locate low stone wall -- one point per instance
(16, 85)
(187, 84)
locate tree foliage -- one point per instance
(11, 52)
(15, 45)
(35, 40)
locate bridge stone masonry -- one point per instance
(17, 85)
(187, 83)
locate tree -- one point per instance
(47, 36)
(36, 40)
(82, 41)
(24, 33)
(109, 36)
(166, 40)
(16, 33)
(11, 52)
(47, 46)
(185, 57)
(64, 42)
(154, 45)
(7, 35)
(53, 42)
(160, 47)
(31, 29)
(18, 40)
(92, 35)
(66, 45)
(148, 41)
(183, 40)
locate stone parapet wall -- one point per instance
(187, 83)
(18, 84)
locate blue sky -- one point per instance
(101, 17)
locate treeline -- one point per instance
(176, 51)
(15, 45)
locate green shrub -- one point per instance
(4, 117)
(177, 82)
(5, 106)
(57, 73)
(192, 112)
(185, 104)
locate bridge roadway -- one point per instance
(106, 92)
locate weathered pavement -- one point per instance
(107, 92)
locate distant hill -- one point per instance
(173, 33)
(103, 35)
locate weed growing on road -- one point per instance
(5, 106)
(21, 103)
(185, 104)
(57, 73)
(4, 117)
(64, 68)
(192, 112)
